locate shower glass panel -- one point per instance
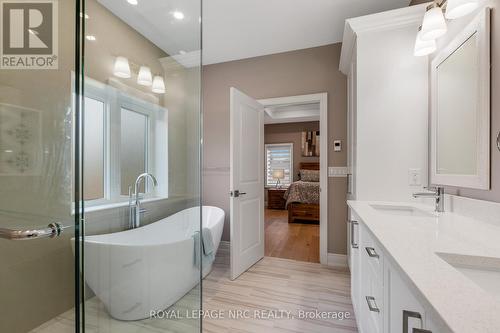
(141, 249)
(37, 74)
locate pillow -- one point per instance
(309, 175)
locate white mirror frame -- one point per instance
(480, 26)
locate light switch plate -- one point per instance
(337, 145)
(414, 177)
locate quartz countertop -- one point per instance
(414, 243)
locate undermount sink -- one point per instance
(483, 271)
(401, 210)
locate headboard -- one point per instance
(309, 166)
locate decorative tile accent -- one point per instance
(20, 141)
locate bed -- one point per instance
(302, 197)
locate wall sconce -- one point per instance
(122, 68)
(158, 85)
(434, 23)
(424, 47)
(144, 78)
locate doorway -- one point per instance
(276, 109)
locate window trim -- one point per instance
(266, 185)
(157, 117)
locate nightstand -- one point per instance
(275, 198)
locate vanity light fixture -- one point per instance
(423, 47)
(122, 68)
(158, 85)
(144, 78)
(458, 8)
(434, 24)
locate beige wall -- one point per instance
(291, 133)
(307, 71)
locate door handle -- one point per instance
(354, 245)
(52, 230)
(236, 193)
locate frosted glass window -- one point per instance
(93, 157)
(133, 156)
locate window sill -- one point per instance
(113, 205)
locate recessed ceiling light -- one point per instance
(133, 2)
(91, 38)
(178, 15)
(182, 52)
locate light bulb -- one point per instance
(434, 25)
(144, 78)
(424, 47)
(158, 85)
(122, 68)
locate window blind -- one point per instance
(279, 156)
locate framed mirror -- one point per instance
(460, 108)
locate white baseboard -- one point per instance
(337, 260)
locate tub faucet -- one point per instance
(134, 204)
(435, 192)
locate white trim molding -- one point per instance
(480, 27)
(322, 98)
(337, 260)
(391, 19)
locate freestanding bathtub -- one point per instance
(150, 268)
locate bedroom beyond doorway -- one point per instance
(292, 183)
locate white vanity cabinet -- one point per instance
(383, 300)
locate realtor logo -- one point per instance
(29, 36)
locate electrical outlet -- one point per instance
(414, 177)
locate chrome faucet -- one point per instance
(134, 204)
(436, 193)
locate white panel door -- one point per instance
(247, 182)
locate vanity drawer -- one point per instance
(372, 255)
(373, 299)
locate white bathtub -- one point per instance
(149, 268)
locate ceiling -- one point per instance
(239, 29)
(291, 113)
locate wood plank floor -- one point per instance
(273, 284)
(296, 241)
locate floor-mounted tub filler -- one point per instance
(147, 269)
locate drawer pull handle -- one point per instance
(412, 314)
(372, 305)
(371, 252)
(354, 245)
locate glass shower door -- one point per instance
(37, 184)
(141, 166)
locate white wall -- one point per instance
(392, 115)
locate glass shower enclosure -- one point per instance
(100, 146)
